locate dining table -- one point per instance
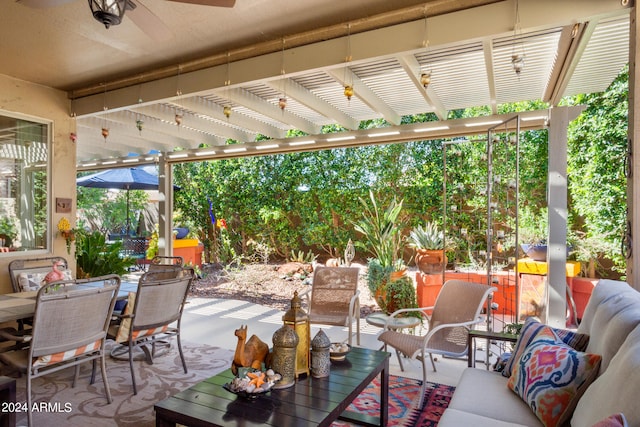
(16, 306)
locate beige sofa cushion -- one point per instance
(485, 393)
(456, 418)
(616, 390)
(612, 313)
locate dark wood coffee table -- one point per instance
(310, 402)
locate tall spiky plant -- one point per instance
(381, 230)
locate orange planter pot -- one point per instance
(430, 261)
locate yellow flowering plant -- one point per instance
(65, 230)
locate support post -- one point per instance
(165, 207)
(556, 311)
(631, 248)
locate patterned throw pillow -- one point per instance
(615, 420)
(30, 281)
(530, 328)
(551, 377)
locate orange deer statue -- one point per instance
(252, 353)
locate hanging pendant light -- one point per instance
(178, 119)
(105, 133)
(139, 125)
(517, 61)
(226, 110)
(425, 79)
(348, 92)
(109, 12)
(282, 103)
(517, 58)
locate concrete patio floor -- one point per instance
(213, 321)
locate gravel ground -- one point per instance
(266, 284)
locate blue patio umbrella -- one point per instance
(122, 179)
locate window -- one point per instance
(24, 158)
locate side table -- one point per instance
(490, 336)
(396, 323)
(7, 394)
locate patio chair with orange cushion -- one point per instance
(334, 298)
(69, 328)
(153, 314)
(456, 310)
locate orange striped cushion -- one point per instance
(145, 332)
(52, 359)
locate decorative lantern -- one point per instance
(348, 92)
(298, 320)
(283, 360)
(320, 355)
(425, 79)
(349, 253)
(105, 133)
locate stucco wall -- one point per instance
(41, 102)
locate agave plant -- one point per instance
(428, 237)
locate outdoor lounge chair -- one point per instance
(334, 298)
(153, 314)
(456, 310)
(69, 328)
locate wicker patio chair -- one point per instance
(334, 298)
(153, 314)
(69, 328)
(456, 310)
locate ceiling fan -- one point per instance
(111, 12)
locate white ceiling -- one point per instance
(202, 58)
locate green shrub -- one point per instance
(94, 257)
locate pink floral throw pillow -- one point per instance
(551, 377)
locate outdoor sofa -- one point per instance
(612, 322)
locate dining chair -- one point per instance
(153, 314)
(159, 261)
(457, 308)
(334, 298)
(69, 328)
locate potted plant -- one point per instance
(381, 229)
(429, 243)
(95, 257)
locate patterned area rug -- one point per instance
(403, 394)
(86, 405)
